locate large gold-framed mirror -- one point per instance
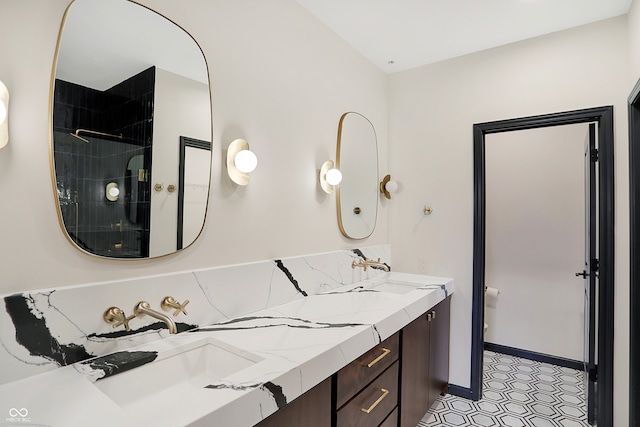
(357, 159)
(128, 88)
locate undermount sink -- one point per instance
(397, 287)
(194, 365)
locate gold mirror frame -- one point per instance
(202, 130)
(357, 193)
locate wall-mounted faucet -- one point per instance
(369, 263)
(116, 317)
(143, 308)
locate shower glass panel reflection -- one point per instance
(115, 228)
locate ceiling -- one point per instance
(400, 34)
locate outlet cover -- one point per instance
(423, 265)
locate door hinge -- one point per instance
(593, 373)
(594, 155)
(595, 265)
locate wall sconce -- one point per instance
(388, 187)
(112, 191)
(240, 161)
(329, 176)
(4, 115)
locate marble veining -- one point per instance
(276, 391)
(288, 349)
(268, 322)
(290, 277)
(32, 332)
(45, 330)
(118, 362)
(157, 326)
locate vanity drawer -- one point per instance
(372, 405)
(392, 420)
(353, 377)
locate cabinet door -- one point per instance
(312, 409)
(439, 350)
(415, 384)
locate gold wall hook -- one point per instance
(158, 187)
(116, 317)
(169, 303)
(427, 210)
(171, 188)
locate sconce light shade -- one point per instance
(246, 161)
(4, 115)
(329, 176)
(388, 187)
(112, 191)
(240, 161)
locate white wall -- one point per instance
(633, 23)
(182, 107)
(432, 110)
(535, 239)
(280, 79)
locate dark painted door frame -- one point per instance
(634, 237)
(603, 116)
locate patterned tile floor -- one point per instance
(516, 393)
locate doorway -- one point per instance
(634, 237)
(603, 117)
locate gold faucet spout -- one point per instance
(143, 308)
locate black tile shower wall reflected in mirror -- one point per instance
(121, 101)
(85, 168)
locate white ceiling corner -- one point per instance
(412, 33)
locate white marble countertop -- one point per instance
(287, 350)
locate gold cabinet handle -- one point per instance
(385, 351)
(433, 315)
(372, 407)
(428, 317)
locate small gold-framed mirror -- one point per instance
(357, 159)
(130, 103)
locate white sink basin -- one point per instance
(194, 365)
(397, 287)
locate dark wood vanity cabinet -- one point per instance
(312, 409)
(392, 385)
(425, 363)
(367, 388)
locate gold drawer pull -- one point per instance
(385, 351)
(384, 394)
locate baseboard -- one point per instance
(463, 392)
(532, 355)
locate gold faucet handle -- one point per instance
(360, 263)
(169, 303)
(116, 317)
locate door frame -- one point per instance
(603, 116)
(634, 248)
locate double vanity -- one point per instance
(331, 339)
(365, 353)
